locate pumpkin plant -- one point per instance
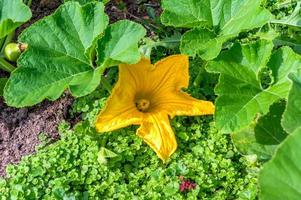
(70, 50)
(258, 92)
(13, 14)
(212, 23)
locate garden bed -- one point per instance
(147, 99)
(20, 128)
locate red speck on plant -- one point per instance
(186, 185)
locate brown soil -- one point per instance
(40, 9)
(20, 128)
(135, 10)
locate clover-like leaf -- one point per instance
(57, 54)
(213, 22)
(240, 94)
(13, 14)
(280, 178)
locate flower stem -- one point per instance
(29, 3)
(7, 40)
(6, 66)
(2, 40)
(106, 84)
(198, 78)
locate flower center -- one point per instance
(142, 104)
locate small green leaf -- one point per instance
(13, 14)
(240, 94)
(280, 178)
(120, 44)
(56, 57)
(291, 118)
(103, 154)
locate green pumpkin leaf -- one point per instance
(213, 21)
(263, 135)
(280, 178)
(56, 58)
(13, 14)
(2, 85)
(240, 94)
(293, 20)
(120, 44)
(83, 2)
(245, 142)
(292, 116)
(268, 129)
(186, 13)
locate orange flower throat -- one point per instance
(142, 105)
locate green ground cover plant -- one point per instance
(78, 166)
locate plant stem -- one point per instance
(2, 40)
(29, 3)
(283, 4)
(106, 84)
(8, 39)
(6, 65)
(198, 78)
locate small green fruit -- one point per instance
(12, 52)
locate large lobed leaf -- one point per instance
(83, 2)
(292, 115)
(293, 20)
(56, 57)
(280, 178)
(120, 44)
(213, 22)
(240, 94)
(61, 55)
(13, 13)
(2, 85)
(263, 135)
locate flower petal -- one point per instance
(180, 103)
(135, 75)
(147, 79)
(120, 110)
(117, 115)
(158, 134)
(171, 73)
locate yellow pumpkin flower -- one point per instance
(147, 95)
